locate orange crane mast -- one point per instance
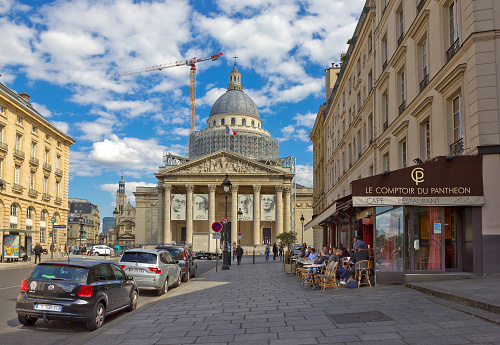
(192, 80)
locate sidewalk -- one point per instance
(260, 304)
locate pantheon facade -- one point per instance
(189, 196)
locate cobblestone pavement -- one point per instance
(260, 304)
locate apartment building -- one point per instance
(83, 212)
(412, 142)
(34, 170)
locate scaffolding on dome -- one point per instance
(246, 143)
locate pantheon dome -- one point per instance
(238, 111)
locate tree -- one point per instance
(286, 239)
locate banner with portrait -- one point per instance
(245, 204)
(200, 206)
(178, 207)
(268, 207)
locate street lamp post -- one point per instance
(52, 220)
(240, 215)
(82, 232)
(226, 185)
(302, 221)
(116, 213)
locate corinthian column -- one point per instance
(256, 215)
(286, 220)
(234, 213)
(189, 215)
(211, 216)
(167, 231)
(279, 210)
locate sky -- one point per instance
(63, 53)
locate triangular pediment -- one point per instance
(223, 162)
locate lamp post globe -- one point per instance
(226, 185)
(52, 220)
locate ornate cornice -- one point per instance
(279, 189)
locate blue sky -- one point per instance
(63, 52)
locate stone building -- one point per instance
(34, 170)
(89, 214)
(189, 197)
(123, 232)
(409, 141)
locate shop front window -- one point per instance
(389, 243)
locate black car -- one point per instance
(76, 290)
(184, 256)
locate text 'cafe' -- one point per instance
(426, 218)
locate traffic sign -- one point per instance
(59, 226)
(224, 221)
(216, 226)
(239, 235)
(216, 235)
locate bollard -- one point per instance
(254, 256)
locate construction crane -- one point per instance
(192, 80)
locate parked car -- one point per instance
(151, 269)
(184, 256)
(296, 248)
(76, 290)
(100, 250)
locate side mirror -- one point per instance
(130, 278)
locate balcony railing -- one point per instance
(457, 148)
(46, 197)
(47, 166)
(384, 65)
(34, 161)
(17, 188)
(402, 107)
(4, 147)
(424, 82)
(19, 154)
(59, 172)
(58, 200)
(420, 5)
(453, 50)
(400, 39)
(386, 125)
(33, 193)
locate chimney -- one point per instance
(24, 96)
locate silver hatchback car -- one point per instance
(151, 269)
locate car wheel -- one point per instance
(97, 318)
(26, 320)
(178, 281)
(133, 302)
(185, 277)
(194, 273)
(164, 289)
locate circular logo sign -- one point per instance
(224, 221)
(33, 285)
(216, 227)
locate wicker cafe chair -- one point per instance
(328, 278)
(363, 270)
(306, 275)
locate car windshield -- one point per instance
(142, 258)
(177, 253)
(61, 272)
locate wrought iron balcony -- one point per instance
(17, 188)
(33, 193)
(386, 125)
(424, 82)
(59, 172)
(384, 65)
(47, 166)
(453, 50)
(58, 200)
(402, 107)
(34, 161)
(4, 147)
(46, 197)
(19, 154)
(420, 5)
(400, 39)
(457, 148)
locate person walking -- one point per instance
(267, 252)
(239, 254)
(38, 252)
(275, 251)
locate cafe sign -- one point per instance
(442, 182)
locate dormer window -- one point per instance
(253, 123)
(233, 121)
(214, 124)
(243, 122)
(19, 120)
(222, 122)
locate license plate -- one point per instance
(49, 307)
(138, 270)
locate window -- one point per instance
(253, 123)
(1, 165)
(46, 159)
(32, 180)
(359, 67)
(17, 172)
(1, 134)
(370, 170)
(243, 122)
(19, 120)
(222, 122)
(385, 109)
(370, 80)
(453, 21)
(359, 100)
(29, 213)
(57, 188)
(457, 123)
(401, 87)
(47, 136)
(58, 162)
(13, 210)
(385, 162)
(384, 52)
(33, 149)
(58, 143)
(233, 121)
(42, 234)
(370, 128)
(2, 110)
(43, 216)
(349, 152)
(214, 123)
(403, 154)
(370, 43)
(358, 136)
(18, 141)
(424, 74)
(45, 185)
(34, 129)
(427, 140)
(401, 25)
(343, 126)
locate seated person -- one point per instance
(307, 252)
(358, 244)
(312, 255)
(355, 257)
(302, 253)
(335, 256)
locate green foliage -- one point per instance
(286, 239)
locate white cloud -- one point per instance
(306, 120)
(96, 130)
(291, 133)
(130, 188)
(42, 109)
(80, 165)
(62, 126)
(310, 148)
(304, 175)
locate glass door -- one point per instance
(427, 238)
